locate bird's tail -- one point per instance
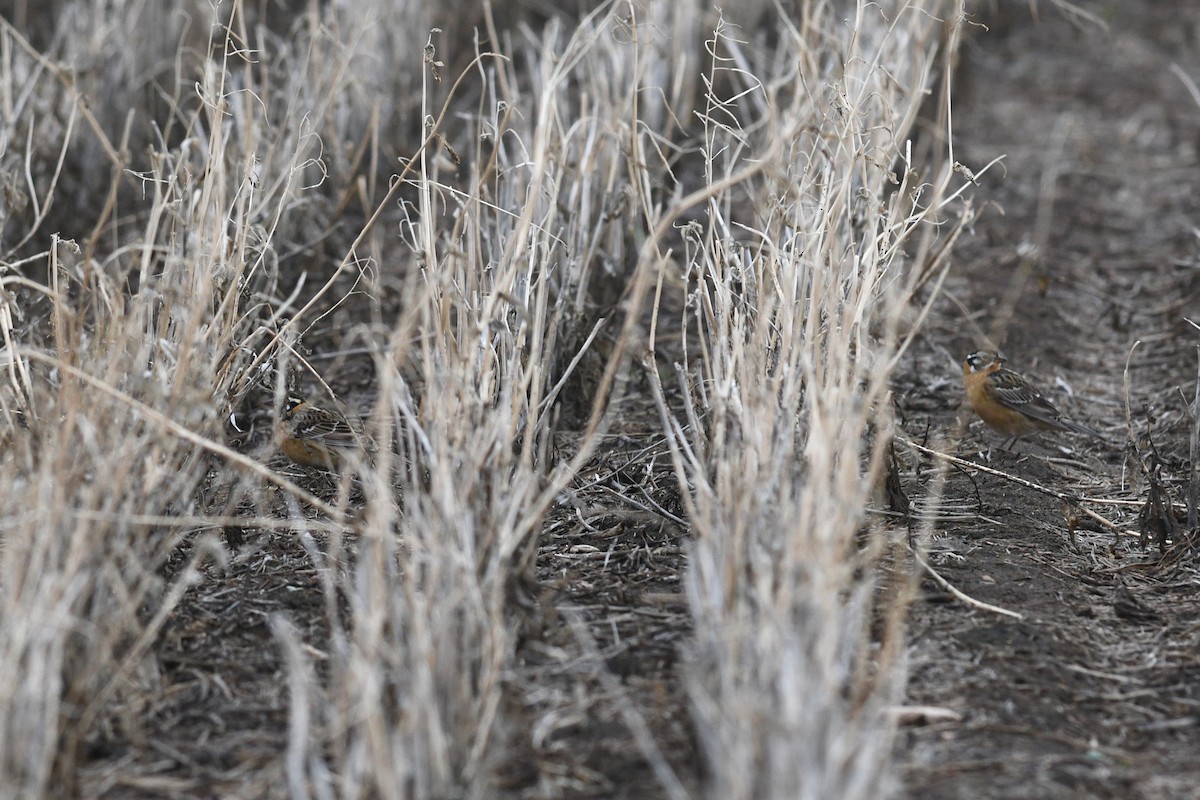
(1084, 429)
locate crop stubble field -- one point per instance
(652, 319)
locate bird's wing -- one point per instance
(1013, 391)
(330, 428)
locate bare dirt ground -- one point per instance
(1091, 693)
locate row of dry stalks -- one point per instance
(175, 176)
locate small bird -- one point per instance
(315, 436)
(1007, 401)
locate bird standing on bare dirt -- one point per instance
(1007, 401)
(317, 437)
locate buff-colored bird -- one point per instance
(1008, 402)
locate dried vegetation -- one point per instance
(604, 290)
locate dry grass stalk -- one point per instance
(795, 320)
(467, 393)
(523, 268)
(120, 352)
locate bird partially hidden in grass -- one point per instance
(318, 437)
(1009, 403)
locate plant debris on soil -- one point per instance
(1095, 234)
(1082, 268)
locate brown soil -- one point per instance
(1093, 692)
